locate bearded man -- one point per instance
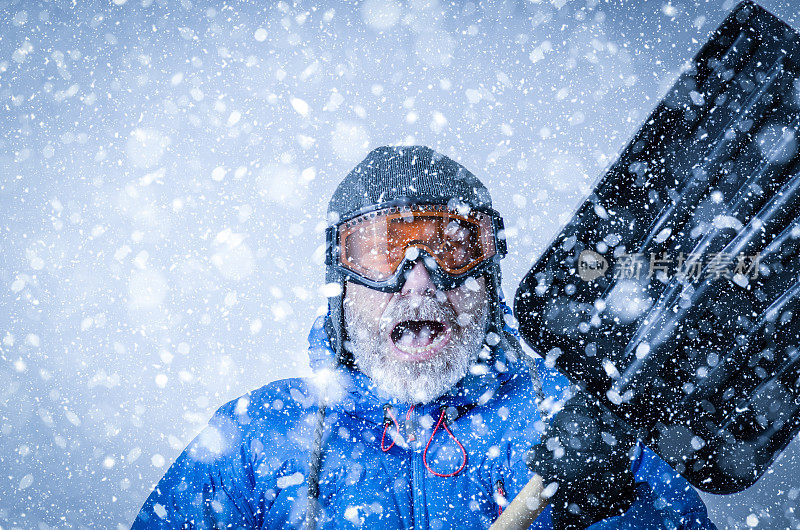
(423, 408)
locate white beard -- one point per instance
(416, 381)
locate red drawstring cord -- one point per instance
(396, 426)
(410, 437)
(502, 492)
(386, 426)
(425, 453)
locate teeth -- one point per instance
(403, 343)
(407, 338)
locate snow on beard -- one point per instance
(413, 380)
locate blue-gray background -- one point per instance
(164, 170)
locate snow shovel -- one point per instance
(673, 294)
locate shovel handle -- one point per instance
(524, 509)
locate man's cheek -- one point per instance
(375, 302)
(466, 301)
(465, 319)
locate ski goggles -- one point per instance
(377, 247)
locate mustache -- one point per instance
(416, 307)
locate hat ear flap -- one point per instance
(508, 337)
(335, 325)
(496, 305)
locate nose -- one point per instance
(418, 281)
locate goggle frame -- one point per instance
(442, 279)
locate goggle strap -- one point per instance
(330, 245)
(500, 242)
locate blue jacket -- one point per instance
(385, 466)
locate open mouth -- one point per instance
(419, 339)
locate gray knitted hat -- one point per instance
(414, 172)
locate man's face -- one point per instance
(417, 343)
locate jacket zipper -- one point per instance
(416, 482)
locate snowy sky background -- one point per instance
(164, 172)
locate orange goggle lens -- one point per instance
(374, 245)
